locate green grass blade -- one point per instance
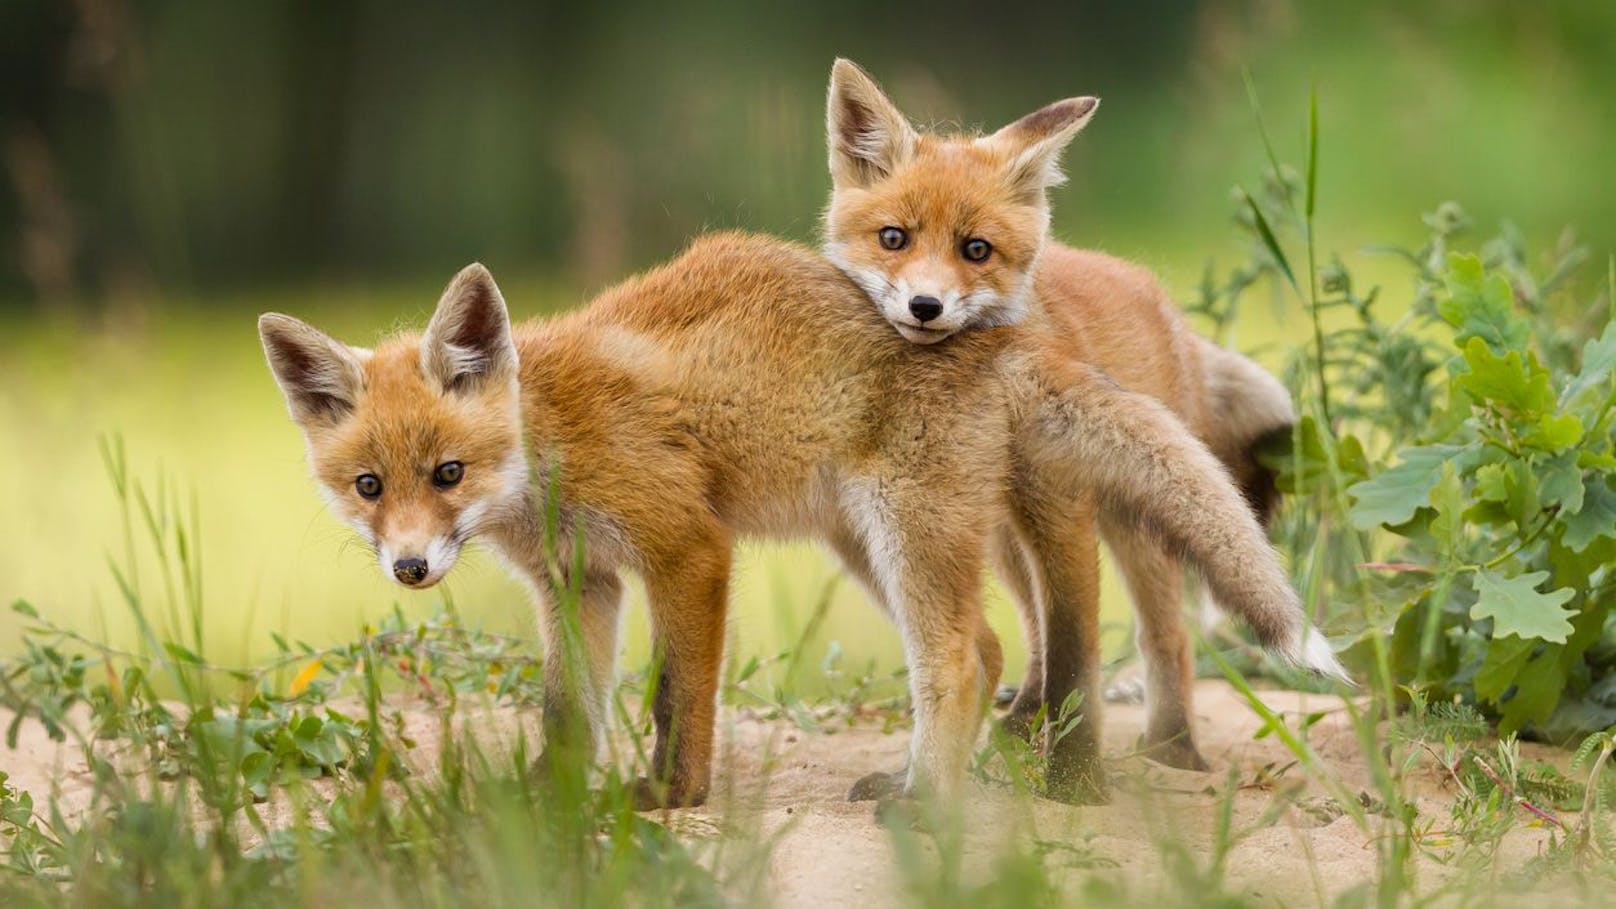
(1312, 152)
(1302, 751)
(1262, 127)
(1270, 241)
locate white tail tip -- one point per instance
(1317, 655)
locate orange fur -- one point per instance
(941, 192)
(746, 388)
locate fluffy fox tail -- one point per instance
(1246, 408)
(1145, 466)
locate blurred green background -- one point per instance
(171, 169)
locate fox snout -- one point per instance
(410, 572)
(418, 566)
(925, 308)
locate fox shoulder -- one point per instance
(1101, 274)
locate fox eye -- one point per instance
(976, 249)
(447, 474)
(893, 238)
(369, 486)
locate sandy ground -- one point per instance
(780, 783)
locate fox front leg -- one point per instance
(926, 561)
(579, 626)
(881, 785)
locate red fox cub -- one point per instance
(746, 388)
(948, 235)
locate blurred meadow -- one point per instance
(173, 169)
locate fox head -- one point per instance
(418, 444)
(942, 232)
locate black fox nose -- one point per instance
(926, 308)
(409, 571)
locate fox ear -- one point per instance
(1037, 140)
(469, 337)
(868, 136)
(320, 377)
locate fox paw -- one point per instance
(1022, 721)
(1178, 751)
(1087, 787)
(880, 786)
(900, 813)
(1005, 695)
(1125, 691)
(650, 795)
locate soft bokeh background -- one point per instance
(170, 169)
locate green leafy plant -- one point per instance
(1503, 515)
(1452, 479)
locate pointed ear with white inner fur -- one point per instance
(1037, 141)
(468, 341)
(867, 134)
(320, 376)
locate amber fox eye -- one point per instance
(447, 474)
(893, 238)
(976, 249)
(369, 486)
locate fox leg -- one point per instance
(927, 563)
(843, 540)
(1011, 560)
(883, 784)
(1156, 583)
(945, 680)
(580, 646)
(1061, 542)
(689, 592)
(991, 655)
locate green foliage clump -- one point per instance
(1502, 509)
(1452, 477)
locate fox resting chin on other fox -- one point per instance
(747, 387)
(948, 235)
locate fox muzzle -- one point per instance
(410, 572)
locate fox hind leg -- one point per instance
(1060, 538)
(1019, 579)
(688, 592)
(1155, 580)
